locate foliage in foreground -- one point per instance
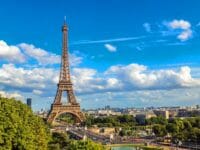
(20, 128)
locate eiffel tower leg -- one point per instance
(58, 97)
(52, 114)
(77, 120)
(51, 117)
(71, 97)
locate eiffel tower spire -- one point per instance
(65, 85)
(65, 71)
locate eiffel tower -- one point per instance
(65, 85)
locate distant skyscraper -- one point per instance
(107, 107)
(29, 102)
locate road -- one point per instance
(81, 132)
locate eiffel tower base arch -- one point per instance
(58, 109)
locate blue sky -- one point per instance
(123, 53)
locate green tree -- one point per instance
(172, 128)
(122, 132)
(66, 118)
(157, 120)
(195, 134)
(159, 130)
(20, 128)
(59, 141)
(85, 145)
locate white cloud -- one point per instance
(27, 80)
(75, 60)
(37, 92)
(116, 78)
(142, 98)
(10, 53)
(122, 39)
(183, 36)
(11, 95)
(42, 56)
(138, 48)
(179, 24)
(132, 77)
(110, 47)
(113, 83)
(136, 76)
(184, 26)
(129, 83)
(147, 27)
(85, 80)
(34, 80)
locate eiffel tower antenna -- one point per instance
(64, 19)
(65, 85)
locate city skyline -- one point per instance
(122, 54)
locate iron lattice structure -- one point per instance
(65, 85)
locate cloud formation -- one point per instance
(184, 27)
(41, 80)
(37, 92)
(132, 77)
(9, 53)
(110, 47)
(116, 83)
(27, 52)
(108, 40)
(142, 98)
(11, 95)
(147, 27)
(26, 80)
(86, 80)
(139, 77)
(42, 56)
(180, 24)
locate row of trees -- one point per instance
(182, 129)
(111, 121)
(187, 129)
(122, 121)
